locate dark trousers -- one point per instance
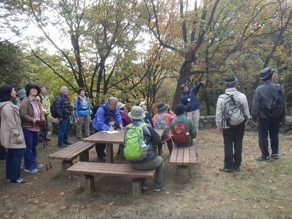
(64, 129)
(169, 145)
(13, 163)
(100, 149)
(267, 126)
(233, 138)
(44, 130)
(2, 152)
(31, 141)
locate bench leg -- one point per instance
(65, 166)
(137, 188)
(89, 184)
(109, 153)
(183, 173)
(84, 156)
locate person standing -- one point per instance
(11, 133)
(19, 96)
(33, 118)
(45, 102)
(147, 117)
(82, 113)
(232, 135)
(190, 100)
(104, 120)
(63, 111)
(267, 125)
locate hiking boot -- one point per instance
(62, 145)
(31, 170)
(38, 165)
(275, 156)
(67, 143)
(265, 159)
(159, 187)
(237, 169)
(20, 180)
(226, 170)
(101, 159)
(144, 185)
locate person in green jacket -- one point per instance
(180, 111)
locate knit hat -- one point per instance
(180, 109)
(266, 72)
(136, 113)
(162, 107)
(30, 86)
(120, 105)
(231, 81)
(21, 93)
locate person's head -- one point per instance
(180, 109)
(121, 106)
(112, 103)
(32, 90)
(7, 93)
(81, 92)
(184, 88)
(64, 90)
(266, 74)
(162, 107)
(136, 113)
(142, 105)
(21, 94)
(43, 90)
(231, 81)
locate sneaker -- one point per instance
(237, 169)
(20, 180)
(62, 145)
(144, 185)
(226, 170)
(67, 143)
(275, 156)
(101, 159)
(31, 170)
(159, 187)
(38, 165)
(266, 159)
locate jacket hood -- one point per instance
(2, 104)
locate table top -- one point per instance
(107, 138)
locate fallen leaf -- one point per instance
(210, 207)
(111, 203)
(280, 207)
(201, 208)
(10, 212)
(255, 206)
(6, 196)
(187, 189)
(6, 216)
(180, 199)
(99, 208)
(62, 193)
(217, 174)
(167, 192)
(63, 208)
(234, 199)
(36, 202)
(267, 207)
(116, 215)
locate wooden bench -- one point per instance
(183, 157)
(68, 154)
(90, 169)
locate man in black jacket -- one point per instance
(63, 110)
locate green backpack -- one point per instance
(135, 147)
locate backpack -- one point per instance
(135, 147)
(233, 114)
(54, 110)
(160, 124)
(274, 107)
(180, 134)
(95, 108)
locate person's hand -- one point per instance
(60, 119)
(203, 82)
(255, 123)
(220, 130)
(121, 126)
(77, 119)
(111, 129)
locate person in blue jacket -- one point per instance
(104, 120)
(189, 99)
(82, 113)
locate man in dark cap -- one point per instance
(189, 99)
(232, 129)
(264, 97)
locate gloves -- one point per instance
(41, 123)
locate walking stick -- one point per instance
(46, 152)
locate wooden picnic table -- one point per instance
(110, 139)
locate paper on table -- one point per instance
(111, 132)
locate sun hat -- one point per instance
(140, 103)
(30, 86)
(266, 72)
(231, 81)
(120, 105)
(180, 109)
(136, 113)
(162, 107)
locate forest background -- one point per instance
(145, 49)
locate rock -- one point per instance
(284, 128)
(289, 132)
(288, 120)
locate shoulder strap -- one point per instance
(164, 115)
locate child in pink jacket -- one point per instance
(163, 109)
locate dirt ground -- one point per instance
(260, 190)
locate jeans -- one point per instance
(13, 163)
(44, 130)
(31, 141)
(64, 129)
(169, 145)
(157, 164)
(268, 126)
(82, 120)
(233, 138)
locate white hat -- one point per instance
(142, 102)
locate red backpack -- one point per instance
(180, 134)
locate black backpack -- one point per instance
(95, 108)
(54, 110)
(275, 106)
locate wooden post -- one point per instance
(84, 156)
(122, 151)
(65, 165)
(183, 173)
(109, 153)
(89, 184)
(137, 188)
